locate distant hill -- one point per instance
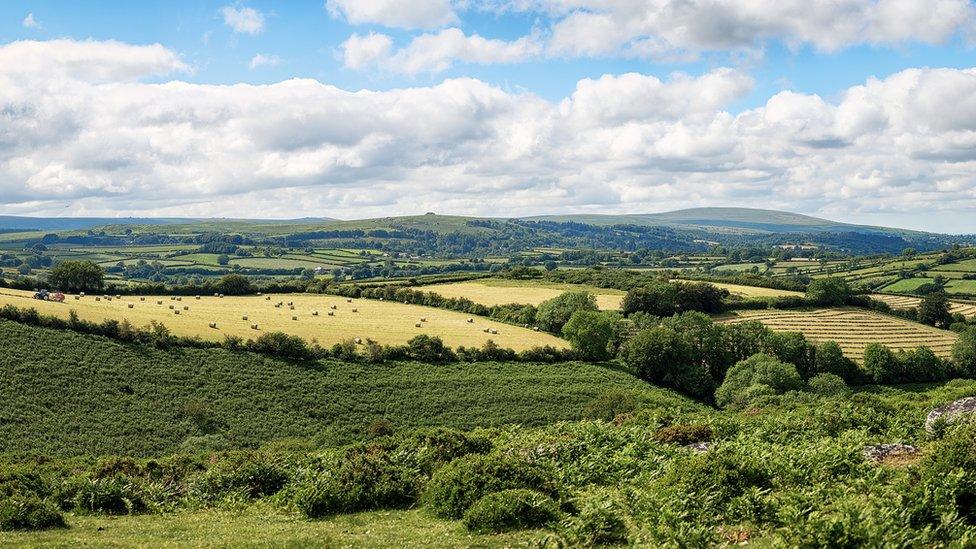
(736, 220)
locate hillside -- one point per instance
(68, 394)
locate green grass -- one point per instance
(265, 526)
(906, 285)
(66, 394)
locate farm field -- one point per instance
(382, 321)
(753, 291)
(852, 329)
(266, 526)
(909, 302)
(909, 285)
(501, 291)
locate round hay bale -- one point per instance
(82, 294)
(118, 296)
(142, 299)
(470, 321)
(171, 307)
(98, 298)
(221, 295)
(331, 313)
(77, 298)
(494, 332)
(355, 310)
(216, 295)
(260, 294)
(535, 328)
(159, 302)
(359, 341)
(315, 313)
(179, 299)
(333, 307)
(196, 297)
(348, 301)
(108, 298)
(176, 312)
(244, 317)
(423, 319)
(254, 326)
(213, 324)
(418, 324)
(294, 318)
(486, 330)
(131, 305)
(290, 303)
(268, 298)
(186, 308)
(172, 298)
(291, 307)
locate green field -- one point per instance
(68, 394)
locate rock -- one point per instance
(699, 447)
(962, 408)
(879, 452)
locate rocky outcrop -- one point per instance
(964, 408)
(880, 452)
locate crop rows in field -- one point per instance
(490, 292)
(337, 319)
(908, 302)
(853, 329)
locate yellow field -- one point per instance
(907, 302)
(853, 329)
(499, 292)
(753, 291)
(382, 321)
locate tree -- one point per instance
(880, 363)
(77, 276)
(222, 259)
(590, 332)
(234, 284)
(829, 292)
(663, 298)
(934, 310)
(425, 348)
(830, 359)
(758, 374)
(660, 355)
(555, 313)
(964, 352)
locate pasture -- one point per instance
(496, 291)
(753, 291)
(382, 321)
(852, 329)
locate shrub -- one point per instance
(507, 510)
(684, 434)
(828, 384)
(757, 370)
(425, 348)
(945, 487)
(457, 486)
(830, 359)
(829, 292)
(29, 513)
(964, 352)
(660, 355)
(116, 495)
(880, 363)
(379, 427)
(610, 404)
(249, 475)
(600, 521)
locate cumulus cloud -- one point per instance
(90, 135)
(415, 14)
(243, 20)
(664, 28)
(261, 60)
(30, 23)
(435, 52)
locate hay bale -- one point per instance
(216, 295)
(418, 324)
(118, 296)
(213, 324)
(348, 300)
(535, 328)
(142, 299)
(77, 298)
(171, 307)
(315, 313)
(470, 321)
(291, 307)
(82, 294)
(159, 302)
(333, 307)
(359, 341)
(294, 318)
(486, 330)
(244, 317)
(290, 303)
(494, 332)
(186, 308)
(98, 298)
(254, 326)
(172, 298)
(268, 298)
(221, 295)
(196, 297)
(423, 319)
(179, 299)
(260, 294)
(131, 305)
(108, 298)
(355, 310)
(176, 312)
(331, 313)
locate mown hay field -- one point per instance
(852, 329)
(753, 291)
(382, 321)
(908, 302)
(500, 291)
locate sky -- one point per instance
(861, 111)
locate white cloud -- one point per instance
(415, 14)
(243, 20)
(435, 52)
(663, 28)
(261, 60)
(30, 23)
(89, 136)
(360, 52)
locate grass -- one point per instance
(853, 329)
(906, 285)
(754, 291)
(70, 394)
(494, 291)
(961, 287)
(265, 526)
(382, 321)
(968, 265)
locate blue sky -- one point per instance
(708, 77)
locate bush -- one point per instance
(945, 487)
(663, 298)
(829, 292)
(661, 356)
(248, 475)
(600, 521)
(610, 404)
(116, 495)
(964, 352)
(516, 509)
(29, 513)
(830, 359)
(828, 384)
(758, 370)
(684, 434)
(457, 486)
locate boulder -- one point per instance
(964, 408)
(879, 452)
